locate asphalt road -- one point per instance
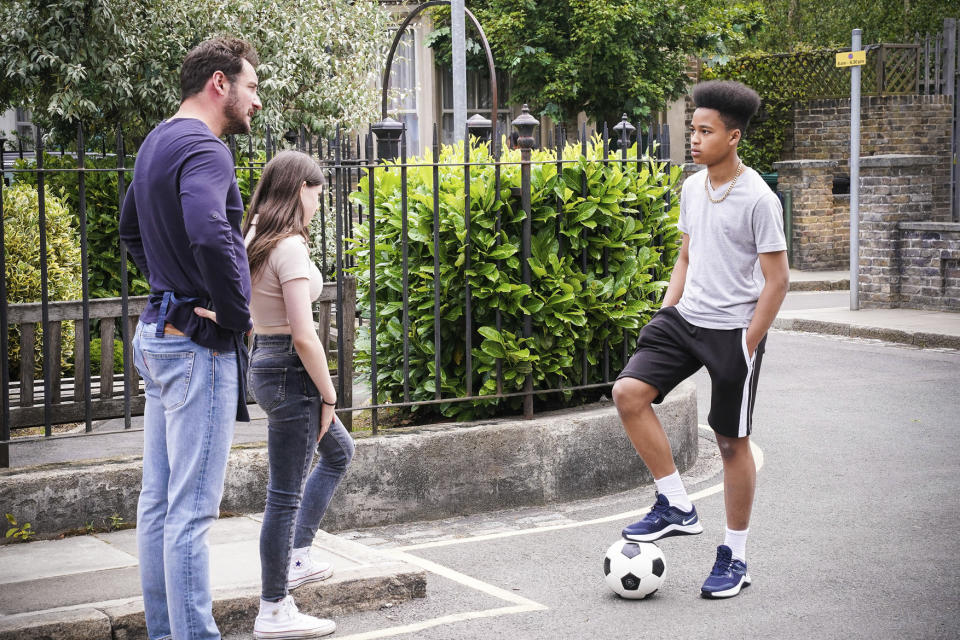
(855, 533)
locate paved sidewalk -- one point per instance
(814, 311)
(88, 587)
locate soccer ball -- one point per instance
(634, 569)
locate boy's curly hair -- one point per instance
(735, 101)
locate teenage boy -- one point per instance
(181, 224)
(728, 283)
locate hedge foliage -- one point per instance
(103, 216)
(622, 212)
(21, 240)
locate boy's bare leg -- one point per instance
(739, 480)
(633, 399)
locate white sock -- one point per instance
(737, 541)
(672, 488)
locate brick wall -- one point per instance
(914, 125)
(929, 265)
(894, 189)
(820, 232)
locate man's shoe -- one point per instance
(283, 621)
(664, 521)
(303, 570)
(728, 577)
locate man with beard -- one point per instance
(181, 224)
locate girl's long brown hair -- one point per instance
(277, 203)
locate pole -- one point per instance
(458, 36)
(855, 177)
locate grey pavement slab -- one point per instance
(49, 558)
(77, 581)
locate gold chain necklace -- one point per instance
(730, 188)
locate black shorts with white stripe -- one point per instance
(670, 350)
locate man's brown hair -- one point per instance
(216, 54)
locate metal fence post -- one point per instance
(525, 125)
(4, 372)
(44, 291)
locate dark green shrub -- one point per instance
(95, 356)
(617, 219)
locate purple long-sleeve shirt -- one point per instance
(181, 224)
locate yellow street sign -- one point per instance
(851, 58)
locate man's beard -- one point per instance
(236, 122)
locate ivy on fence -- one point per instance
(617, 220)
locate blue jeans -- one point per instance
(190, 412)
(296, 498)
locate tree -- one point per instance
(604, 57)
(116, 62)
(795, 22)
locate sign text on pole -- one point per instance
(851, 58)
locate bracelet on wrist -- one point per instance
(329, 404)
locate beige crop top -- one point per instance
(289, 260)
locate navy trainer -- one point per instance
(728, 577)
(664, 521)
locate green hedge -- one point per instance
(103, 217)
(621, 213)
(21, 240)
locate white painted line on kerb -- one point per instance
(703, 493)
(520, 604)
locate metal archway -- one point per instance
(483, 40)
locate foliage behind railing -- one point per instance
(602, 245)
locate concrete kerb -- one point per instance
(405, 475)
(922, 339)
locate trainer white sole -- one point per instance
(666, 532)
(297, 634)
(728, 593)
(313, 577)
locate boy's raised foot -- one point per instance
(664, 521)
(728, 577)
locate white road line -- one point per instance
(435, 622)
(703, 493)
(521, 604)
(465, 580)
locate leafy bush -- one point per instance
(21, 239)
(95, 356)
(617, 220)
(103, 216)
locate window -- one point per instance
(402, 105)
(24, 124)
(478, 100)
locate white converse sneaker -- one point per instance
(303, 569)
(283, 621)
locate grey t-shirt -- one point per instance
(724, 279)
